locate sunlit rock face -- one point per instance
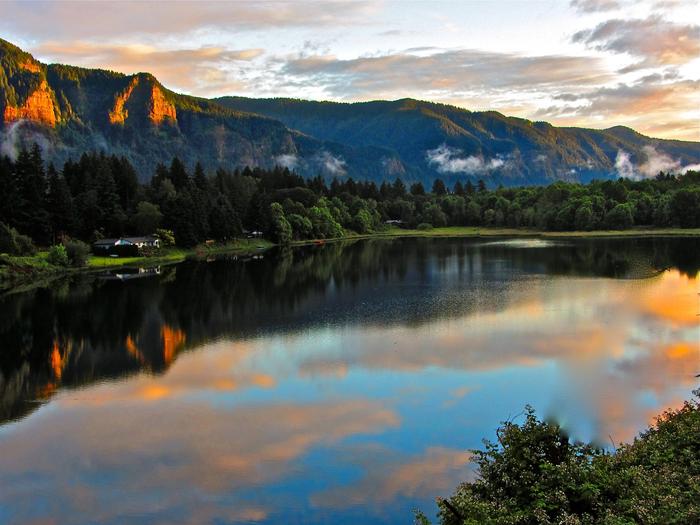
(118, 114)
(39, 107)
(160, 109)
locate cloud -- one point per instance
(623, 165)
(451, 160)
(655, 162)
(207, 69)
(115, 20)
(437, 471)
(17, 135)
(330, 164)
(654, 105)
(655, 40)
(217, 453)
(440, 71)
(287, 161)
(593, 6)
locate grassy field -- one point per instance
(18, 273)
(475, 231)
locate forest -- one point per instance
(100, 196)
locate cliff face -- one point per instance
(39, 107)
(119, 113)
(160, 109)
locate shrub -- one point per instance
(167, 237)
(57, 255)
(77, 252)
(14, 243)
(536, 474)
(25, 245)
(424, 226)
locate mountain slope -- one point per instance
(71, 110)
(481, 144)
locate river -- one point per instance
(342, 383)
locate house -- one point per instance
(149, 241)
(124, 245)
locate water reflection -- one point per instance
(334, 383)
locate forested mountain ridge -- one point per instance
(71, 110)
(447, 141)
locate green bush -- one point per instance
(535, 474)
(167, 237)
(424, 226)
(14, 243)
(25, 245)
(77, 252)
(57, 255)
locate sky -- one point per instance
(593, 63)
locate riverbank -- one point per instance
(474, 231)
(19, 273)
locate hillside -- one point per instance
(70, 110)
(441, 140)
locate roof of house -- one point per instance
(127, 240)
(106, 242)
(146, 238)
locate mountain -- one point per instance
(70, 110)
(441, 140)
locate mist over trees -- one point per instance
(100, 196)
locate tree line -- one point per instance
(101, 196)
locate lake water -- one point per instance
(337, 384)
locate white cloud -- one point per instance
(287, 161)
(447, 159)
(655, 161)
(330, 164)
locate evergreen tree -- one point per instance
(59, 204)
(417, 189)
(439, 187)
(32, 217)
(178, 174)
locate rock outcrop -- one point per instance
(118, 114)
(39, 107)
(160, 108)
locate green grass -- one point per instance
(168, 255)
(475, 231)
(16, 273)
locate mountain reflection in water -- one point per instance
(336, 383)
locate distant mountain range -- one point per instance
(70, 110)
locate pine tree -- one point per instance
(178, 174)
(59, 204)
(32, 217)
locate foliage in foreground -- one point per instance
(534, 474)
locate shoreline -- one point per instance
(478, 232)
(24, 273)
